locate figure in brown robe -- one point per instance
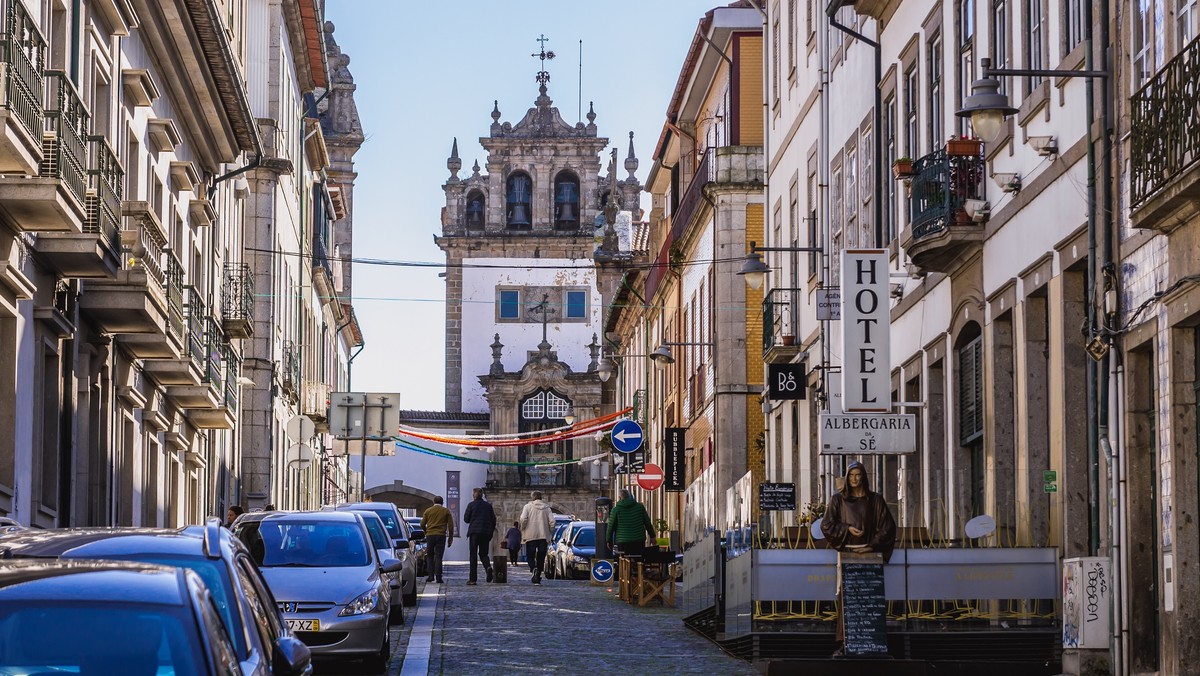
(857, 519)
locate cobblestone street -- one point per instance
(558, 626)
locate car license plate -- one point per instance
(304, 625)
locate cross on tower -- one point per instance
(543, 77)
(544, 309)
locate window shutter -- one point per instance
(970, 391)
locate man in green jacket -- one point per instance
(439, 534)
(629, 525)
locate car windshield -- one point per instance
(115, 638)
(558, 532)
(585, 538)
(391, 523)
(216, 577)
(320, 544)
(379, 538)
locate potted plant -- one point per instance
(903, 168)
(661, 526)
(963, 146)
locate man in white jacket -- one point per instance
(537, 524)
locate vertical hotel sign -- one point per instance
(866, 332)
(453, 495)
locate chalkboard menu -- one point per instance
(774, 497)
(864, 609)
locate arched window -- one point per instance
(519, 194)
(543, 410)
(474, 211)
(566, 202)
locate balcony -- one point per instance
(55, 200)
(139, 299)
(22, 118)
(185, 366)
(780, 325)
(96, 252)
(693, 197)
(290, 372)
(211, 344)
(315, 404)
(322, 270)
(1164, 186)
(942, 232)
(224, 415)
(237, 301)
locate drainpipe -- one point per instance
(876, 118)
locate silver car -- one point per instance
(384, 550)
(402, 541)
(327, 579)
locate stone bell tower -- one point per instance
(523, 310)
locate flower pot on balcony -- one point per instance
(788, 340)
(964, 147)
(903, 168)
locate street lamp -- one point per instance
(755, 270)
(605, 369)
(569, 416)
(662, 354)
(986, 107)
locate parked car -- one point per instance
(402, 542)
(8, 525)
(261, 640)
(384, 550)
(420, 549)
(549, 566)
(575, 549)
(110, 617)
(327, 579)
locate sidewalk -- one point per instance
(557, 626)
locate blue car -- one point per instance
(576, 549)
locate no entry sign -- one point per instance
(651, 477)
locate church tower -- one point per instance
(523, 310)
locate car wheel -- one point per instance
(551, 569)
(378, 662)
(411, 599)
(396, 615)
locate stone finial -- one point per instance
(497, 349)
(496, 111)
(453, 163)
(631, 160)
(475, 169)
(594, 349)
(591, 116)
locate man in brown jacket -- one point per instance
(439, 534)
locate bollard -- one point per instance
(500, 568)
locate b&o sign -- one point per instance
(787, 381)
(866, 330)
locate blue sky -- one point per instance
(427, 72)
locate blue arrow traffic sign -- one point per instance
(602, 571)
(626, 436)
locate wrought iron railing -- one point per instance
(233, 369)
(105, 181)
(237, 292)
(1165, 125)
(321, 254)
(214, 344)
(65, 152)
(197, 322)
(176, 319)
(24, 56)
(780, 317)
(693, 195)
(940, 188)
(290, 367)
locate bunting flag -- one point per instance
(579, 429)
(410, 446)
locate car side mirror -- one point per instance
(401, 544)
(417, 535)
(291, 656)
(391, 565)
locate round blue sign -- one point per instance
(626, 436)
(602, 571)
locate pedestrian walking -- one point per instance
(629, 525)
(439, 534)
(537, 523)
(512, 541)
(481, 525)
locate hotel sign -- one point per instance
(866, 332)
(885, 434)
